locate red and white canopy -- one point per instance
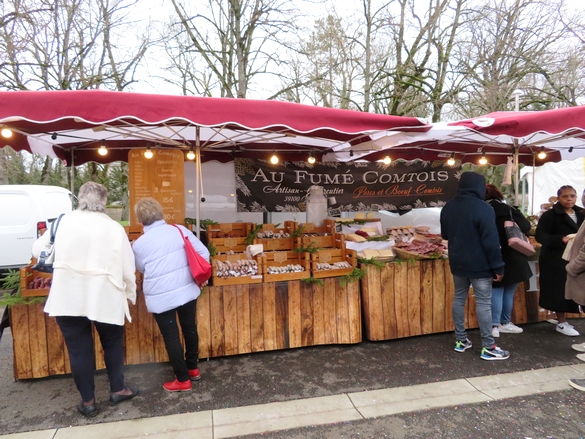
(73, 124)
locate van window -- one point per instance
(55, 203)
(16, 210)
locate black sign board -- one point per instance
(358, 186)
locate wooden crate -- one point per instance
(328, 228)
(240, 280)
(234, 230)
(134, 231)
(330, 256)
(324, 241)
(27, 274)
(223, 245)
(278, 244)
(282, 259)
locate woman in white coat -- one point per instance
(93, 280)
(169, 289)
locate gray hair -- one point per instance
(92, 197)
(148, 210)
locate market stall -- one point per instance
(231, 320)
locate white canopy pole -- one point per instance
(197, 179)
(516, 173)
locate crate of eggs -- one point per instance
(274, 238)
(333, 262)
(285, 265)
(235, 270)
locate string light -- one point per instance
(351, 152)
(190, 155)
(542, 153)
(387, 160)
(570, 149)
(483, 160)
(311, 158)
(274, 158)
(103, 150)
(148, 153)
(6, 133)
(451, 160)
(54, 136)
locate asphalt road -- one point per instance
(38, 404)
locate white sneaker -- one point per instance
(496, 332)
(579, 347)
(567, 329)
(510, 328)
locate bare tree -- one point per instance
(509, 46)
(72, 44)
(236, 40)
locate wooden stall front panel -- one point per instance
(277, 315)
(411, 298)
(231, 320)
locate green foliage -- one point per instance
(313, 280)
(203, 223)
(311, 248)
(378, 238)
(11, 281)
(354, 275)
(371, 261)
(211, 248)
(252, 235)
(298, 232)
(494, 174)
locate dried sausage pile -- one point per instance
(421, 247)
(39, 283)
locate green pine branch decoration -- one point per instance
(371, 261)
(252, 235)
(313, 280)
(354, 275)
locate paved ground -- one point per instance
(42, 404)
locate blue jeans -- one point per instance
(482, 289)
(502, 304)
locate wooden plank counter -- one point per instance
(409, 298)
(231, 320)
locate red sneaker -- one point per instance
(177, 386)
(194, 374)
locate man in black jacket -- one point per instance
(468, 224)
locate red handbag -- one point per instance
(200, 269)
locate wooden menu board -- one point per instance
(161, 177)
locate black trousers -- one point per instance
(181, 359)
(78, 335)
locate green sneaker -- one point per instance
(461, 346)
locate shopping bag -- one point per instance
(516, 239)
(200, 269)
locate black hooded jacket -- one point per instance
(468, 223)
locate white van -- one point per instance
(25, 210)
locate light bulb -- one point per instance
(191, 155)
(274, 159)
(148, 153)
(103, 150)
(542, 153)
(6, 133)
(451, 160)
(387, 160)
(483, 160)
(312, 159)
